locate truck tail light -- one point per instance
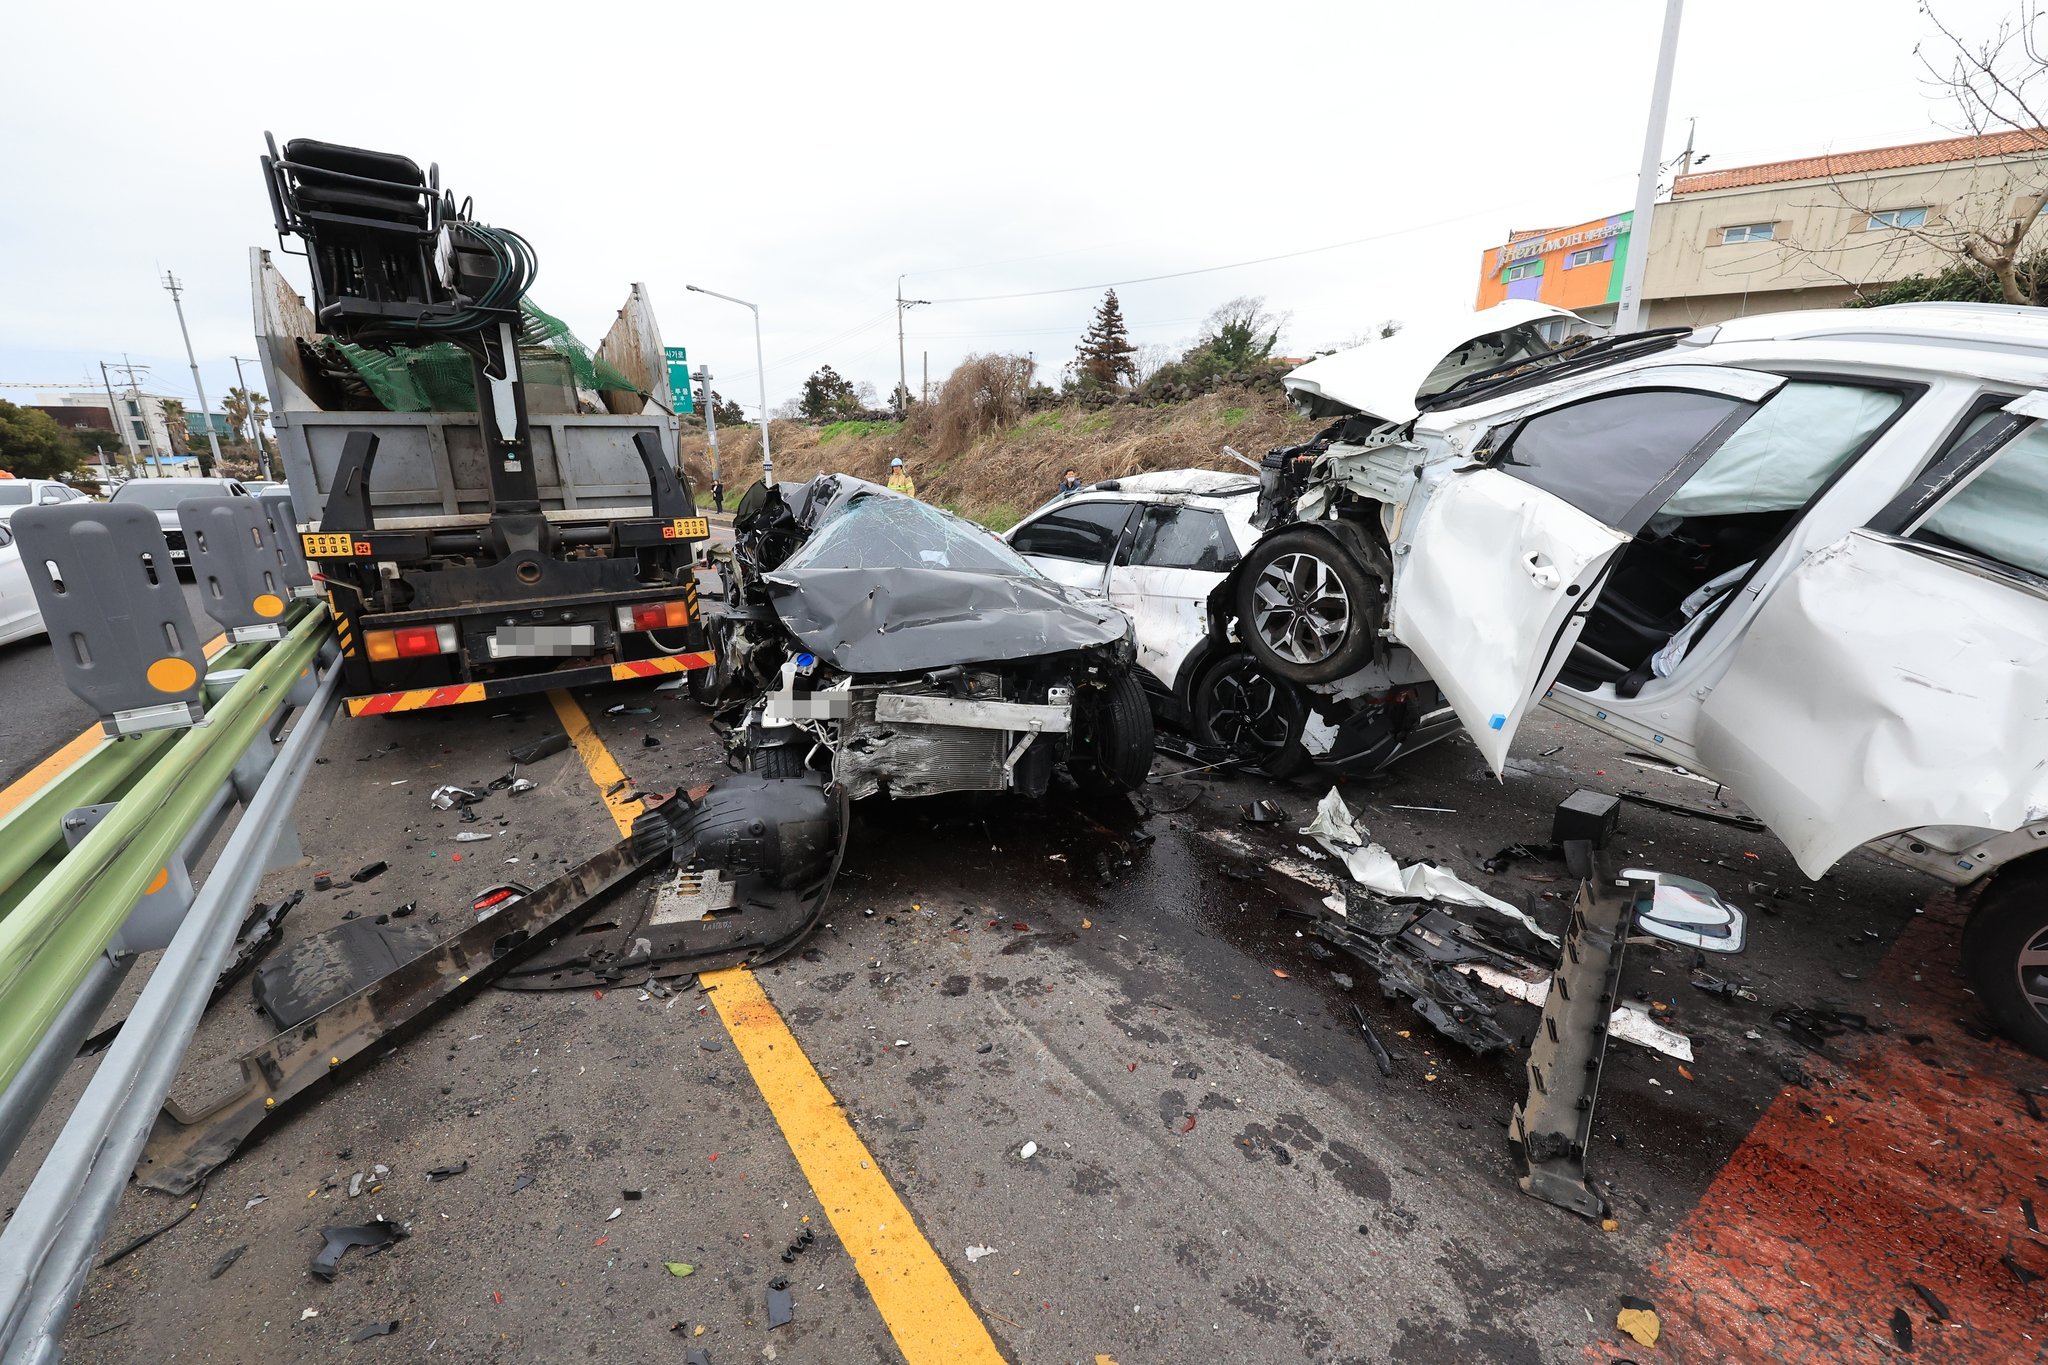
(409, 642)
(655, 616)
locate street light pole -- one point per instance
(1628, 316)
(903, 306)
(212, 441)
(255, 426)
(760, 375)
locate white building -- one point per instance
(142, 414)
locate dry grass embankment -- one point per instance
(999, 475)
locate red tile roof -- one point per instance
(2009, 143)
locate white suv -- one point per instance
(1806, 553)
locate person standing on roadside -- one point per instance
(900, 480)
(718, 494)
(1070, 484)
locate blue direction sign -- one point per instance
(679, 377)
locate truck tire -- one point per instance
(1306, 608)
(2005, 953)
(1118, 742)
(1243, 710)
(779, 760)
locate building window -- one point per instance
(1592, 255)
(1896, 218)
(1522, 270)
(1749, 232)
(133, 409)
(141, 432)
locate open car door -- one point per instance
(1896, 678)
(1495, 571)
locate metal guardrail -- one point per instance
(95, 868)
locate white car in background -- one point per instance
(16, 494)
(20, 617)
(1161, 547)
(162, 496)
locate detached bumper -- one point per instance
(420, 698)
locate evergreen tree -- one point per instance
(827, 395)
(1105, 353)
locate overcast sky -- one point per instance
(803, 155)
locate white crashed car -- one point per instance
(1161, 547)
(1805, 553)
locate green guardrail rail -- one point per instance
(60, 908)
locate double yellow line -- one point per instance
(918, 1299)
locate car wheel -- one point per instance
(1306, 607)
(2005, 954)
(1243, 710)
(1116, 744)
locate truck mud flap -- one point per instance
(753, 860)
(455, 694)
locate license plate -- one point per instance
(329, 545)
(686, 528)
(542, 642)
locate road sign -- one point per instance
(679, 377)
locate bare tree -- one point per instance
(1997, 88)
(1149, 357)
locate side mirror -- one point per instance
(1681, 910)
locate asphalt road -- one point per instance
(1220, 1171)
(40, 715)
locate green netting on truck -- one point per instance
(437, 377)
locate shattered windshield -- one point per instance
(1481, 354)
(881, 531)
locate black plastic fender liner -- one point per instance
(771, 846)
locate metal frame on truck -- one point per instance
(545, 539)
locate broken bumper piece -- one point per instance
(754, 857)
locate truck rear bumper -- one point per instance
(420, 698)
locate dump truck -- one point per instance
(489, 507)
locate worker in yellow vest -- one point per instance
(900, 480)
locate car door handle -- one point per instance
(1543, 573)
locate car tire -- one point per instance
(779, 760)
(1243, 710)
(1118, 740)
(1306, 607)
(2005, 953)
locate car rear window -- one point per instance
(2002, 512)
(1183, 538)
(1086, 531)
(15, 494)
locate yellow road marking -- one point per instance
(916, 1295)
(604, 770)
(79, 745)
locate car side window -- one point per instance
(1607, 455)
(1183, 538)
(1783, 455)
(1086, 531)
(2001, 514)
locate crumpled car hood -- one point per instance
(903, 620)
(1383, 378)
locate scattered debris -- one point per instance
(976, 1253)
(781, 1307)
(450, 796)
(471, 837)
(631, 1195)
(1515, 853)
(1378, 1049)
(323, 882)
(355, 1185)
(1434, 810)
(1714, 985)
(369, 871)
(191, 1205)
(521, 787)
(1729, 818)
(545, 747)
(1813, 1027)
(228, 1258)
(376, 1235)
(624, 710)
(254, 1200)
(2019, 1272)
(309, 1313)
(1439, 994)
(1934, 1305)
(1902, 1329)
(440, 1173)
(1373, 868)
(614, 1213)
(1028, 1150)
(375, 1329)
(799, 1246)
(521, 1183)
(1262, 812)
(649, 742)
(680, 1269)
(1639, 1320)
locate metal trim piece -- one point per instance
(909, 709)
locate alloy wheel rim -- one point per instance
(1300, 608)
(2032, 969)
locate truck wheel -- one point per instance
(1306, 607)
(2005, 953)
(1245, 711)
(1118, 740)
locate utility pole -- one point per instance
(903, 306)
(171, 284)
(1628, 316)
(760, 377)
(127, 433)
(927, 376)
(703, 376)
(129, 368)
(255, 426)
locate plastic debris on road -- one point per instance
(976, 1253)
(781, 1305)
(375, 1329)
(376, 1235)
(1375, 869)
(679, 1269)
(440, 1173)
(1028, 1150)
(545, 747)
(1639, 1320)
(450, 796)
